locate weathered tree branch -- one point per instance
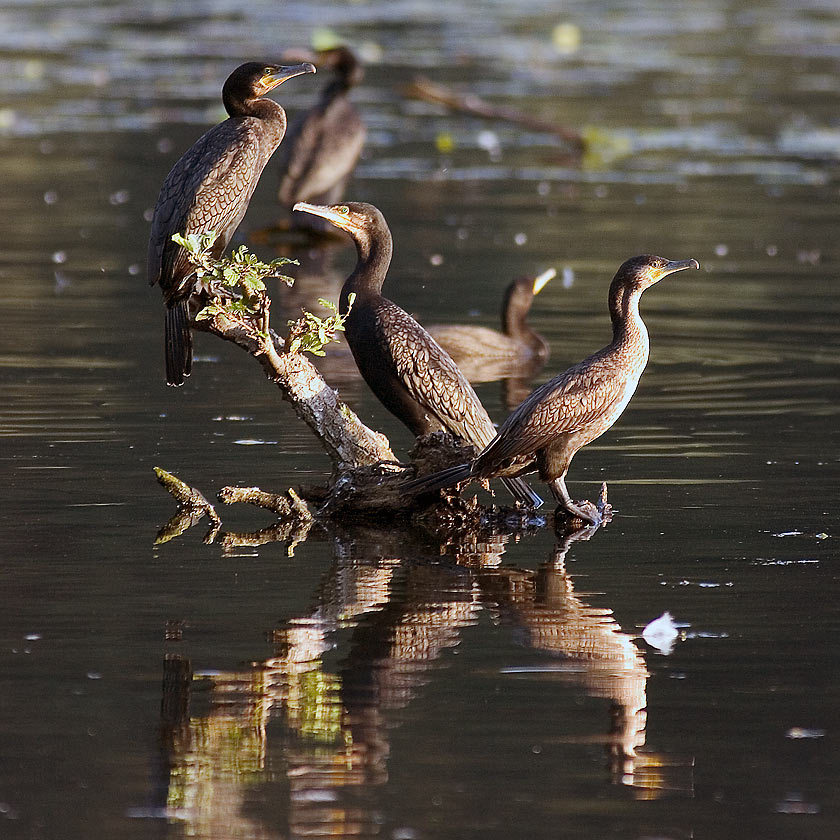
(192, 507)
(347, 440)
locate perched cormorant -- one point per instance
(323, 144)
(518, 346)
(209, 189)
(404, 366)
(574, 408)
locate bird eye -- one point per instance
(344, 210)
(268, 70)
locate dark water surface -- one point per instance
(373, 684)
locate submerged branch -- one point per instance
(192, 508)
(188, 498)
(362, 495)
(428, 91)
(283, 504)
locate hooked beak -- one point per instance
(341, 220)
(676, 265)
(541, 279)
(271, 80)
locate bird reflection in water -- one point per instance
(587, 646)
(329, 739)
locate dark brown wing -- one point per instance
(432, 378)
(209, 188)
(576, 399)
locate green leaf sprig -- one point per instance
(311, 334)
(242, 273)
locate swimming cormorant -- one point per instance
(404, 366)
(209, 189)
(323, 144)
(575, 407)
(517, 347)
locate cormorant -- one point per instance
(209, 189)
(518, 346)
(323, 144)
(402, 364)
(575, 407)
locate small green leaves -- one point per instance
(237, 289)
(196, 243)
(311, 333)
(241, 276)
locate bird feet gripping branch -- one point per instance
(591, 513)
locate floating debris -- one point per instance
(794, 803)
(444, 142)
(800, 732)
(661, 633)
(565, 37)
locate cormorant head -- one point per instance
(253, 79)
(362, 221)
(521, 292)
(343, 61)
(643, 271)
(519, 296)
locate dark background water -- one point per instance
(371, 684)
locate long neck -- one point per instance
(252, 106)
(630, 335)
(374, 256)
(347, 72)
(514, 317)
(272, 119)
(335, 88)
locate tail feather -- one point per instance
(438, 480)
(521, 492)
(178, 343)
(517, 487)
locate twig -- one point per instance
(425, 89)
(283, 504)
(189, 499)
(192, 506)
